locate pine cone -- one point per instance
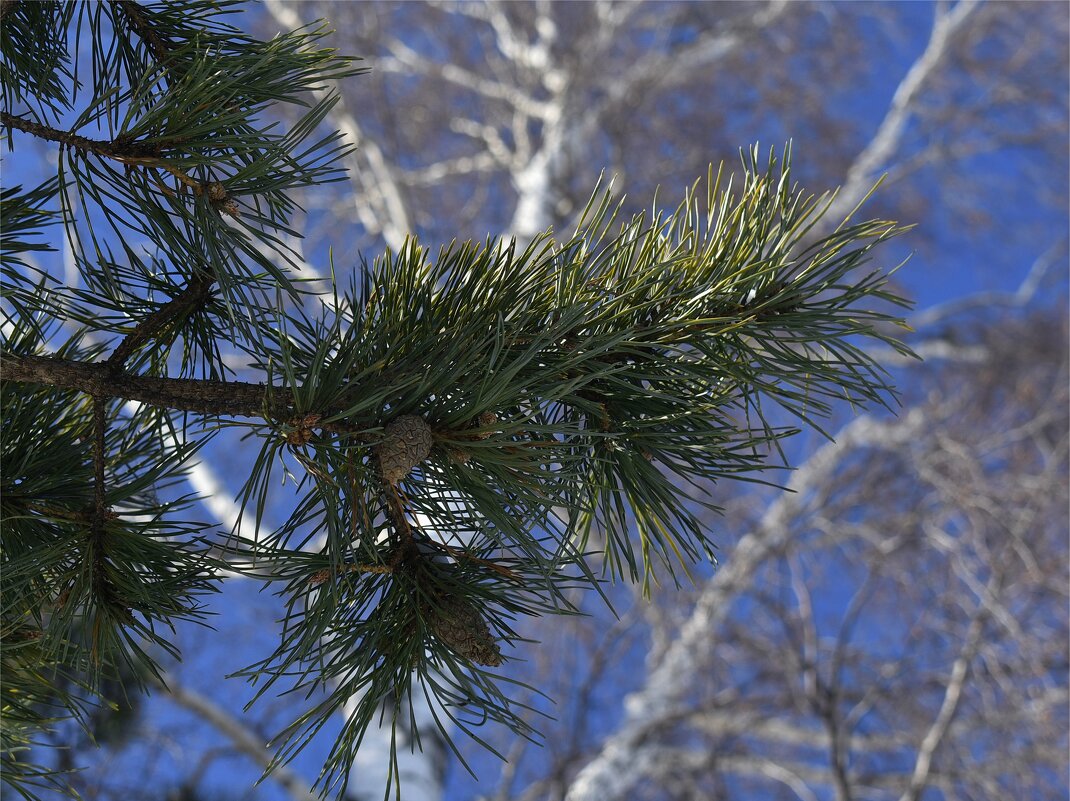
(407, 443)
(459, 624)
(485, 420)
(459, 455)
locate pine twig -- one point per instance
(103, 590)
(195, 294)
(134, 16)
(395, 510)
(325, 575)
(100, 507)
(120, 149)
(147, 155)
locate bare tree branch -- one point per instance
(864, 170)
(244, 739)
(613, 771)
(378, 199)
(952, 695)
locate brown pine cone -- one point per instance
(407, 443)
(459, 624)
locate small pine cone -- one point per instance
(407, 443)
(485, 420)
(230, 206)
(459, 455)
(320, 577)
(459, 625)
(302, 429)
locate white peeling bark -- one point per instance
(884, 144)
(378, 203)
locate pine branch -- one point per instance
(601, 374)
(194, 295)
(138, 21)
(119, 149)
(202, 396)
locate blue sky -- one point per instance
(989, 218)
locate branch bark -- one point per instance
(201, 396)
(115, 149)
(178, 307)
(6, 6)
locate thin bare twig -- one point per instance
(863, 171)
(952, 695)
(244, 739)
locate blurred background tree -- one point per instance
(895, 628)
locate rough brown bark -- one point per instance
(117, 149)
(6, 6)
(199, 290)
(202, 396)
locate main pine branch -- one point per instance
(101, 379)
(580, 375)
(474, 431)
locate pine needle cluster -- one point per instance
(476, 430)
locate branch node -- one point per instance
(486, 420)
(302, 429)
(326, 574)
